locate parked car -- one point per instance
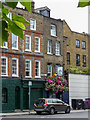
(50, 105)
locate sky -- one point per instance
(76, 18)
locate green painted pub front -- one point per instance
(17, 96)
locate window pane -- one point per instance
(77, 44)
(14, 41)
(37, 44)
(53, 30)
(49, 46)
(3, 66)
(78, 60)
(28, 68)
(68, 58)
(83, 44)
(49, 69)
(14, 67)
(37, 68)
(57, 48)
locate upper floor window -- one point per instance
(28, 43)
(77, 44)
(84, 60)
(33, 24)
(28, 68)
(49, 69)
(15, 67)
(4, 95)
(4, 66)
(9, 15)
(68, 58)
(68, 41)
(14, 42)
(53, 30)
(77, 60)
(57, 48)
(37, 44)
(83, 45)
(59, 70)
(37, 68)
(5, 45)
(49, 47)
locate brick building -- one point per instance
(53, 42)
(49, 47)
(76, 46)
(23, 61)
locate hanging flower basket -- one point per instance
(56, 84)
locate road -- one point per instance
(59, 116)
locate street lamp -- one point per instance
(29, 84)
(44, 75)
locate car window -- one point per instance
(49, 101)
(54, 101)
(59, 101)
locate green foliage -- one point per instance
(83, 3)
(16, 25)
(74, 69)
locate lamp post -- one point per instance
(44, 75)
(29, 84)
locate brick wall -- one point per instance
(71, 48)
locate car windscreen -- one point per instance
(40, 102)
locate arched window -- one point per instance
(4, 95)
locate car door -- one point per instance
(61, 106)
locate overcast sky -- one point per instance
(77, 18)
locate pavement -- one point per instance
(32, 112)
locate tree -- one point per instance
(16, 25)
(83, 3)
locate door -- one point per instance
(35, 93)
(17, 97)
(25, 98)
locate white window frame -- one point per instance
(33, 24)
(58, 48)
(6, 45)
(58, 67)
(6, 65)
(53, 31)
(14, 48)
(15, 75)
(49, 47)
(9, 15)
(50, 72)
(39, 69)
(38, 44)
(29, 43)
(29, 68)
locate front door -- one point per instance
(17, 97)
(25, 98)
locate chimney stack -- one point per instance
(32, 5)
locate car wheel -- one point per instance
(67, 110)
(38, 112)
(52, 111)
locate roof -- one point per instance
(42, 8)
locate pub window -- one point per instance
(4, 95)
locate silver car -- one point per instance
(51, 105)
